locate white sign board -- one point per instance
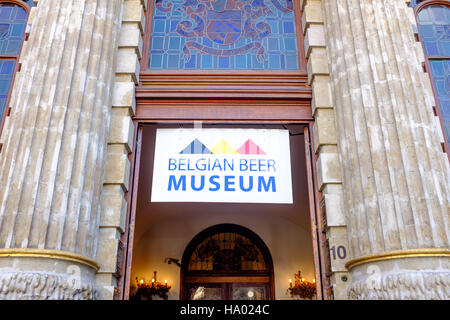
(222, 165)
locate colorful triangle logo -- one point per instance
(249, 147)
(196, 147)
(223, 147)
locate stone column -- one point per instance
(52, 164)
(395, 174)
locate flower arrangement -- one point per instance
(145, 291)
(303, 289)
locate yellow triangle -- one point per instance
(222, 147)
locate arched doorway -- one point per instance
(227, 262)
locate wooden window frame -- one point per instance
(422, 5)
(7, 109)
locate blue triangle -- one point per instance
(196, 147)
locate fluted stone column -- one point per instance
(52, 164)
(395, 175)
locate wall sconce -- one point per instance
(145, 291)
(302, 288)
(172, 260)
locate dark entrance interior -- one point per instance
(280, 233)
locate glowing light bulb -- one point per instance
(314, 280)
(303, 279)
(142, 281)
(165, 281)
(153, 280)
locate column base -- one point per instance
(45, 278)
(413, 278)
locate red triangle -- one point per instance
(249, 147)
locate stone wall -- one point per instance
(325, 142)
(120, 145)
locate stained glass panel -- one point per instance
(223, 35)
(13, 20)
(6, 73)
(441, 78)
(434, 30)
(227, 251)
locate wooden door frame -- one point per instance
(317, 220)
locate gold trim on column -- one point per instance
(412, 253)
(50, 254)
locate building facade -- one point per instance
(361, 88)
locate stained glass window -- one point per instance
(414, 3)
(13, 19)
(223, 35)
(7, 67)
(227, 251)
(441, 79)
(434, 31)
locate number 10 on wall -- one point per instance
(340, 252)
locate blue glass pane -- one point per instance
(434, 30)
(223, 35)
(30, 3)
(6, 72)
(13, 19)
(414, 3)
(440, 70)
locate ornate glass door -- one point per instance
(248, 291)
(227, 262)
(227, 291)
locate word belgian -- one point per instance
(217, 174)
(203, 164)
